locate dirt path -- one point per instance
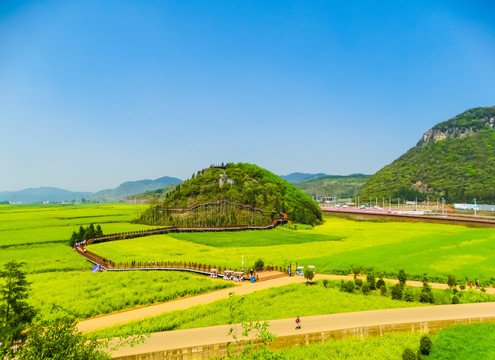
(218, 334)
(242, 289)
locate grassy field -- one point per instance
(466, 342)
(61, 281)
(418, 248)
(279, 303)
(386, 347)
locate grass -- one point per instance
(60, 279)
(466, 342)
(274, 303)
(84, 294)
(418, 248)
(387, 347)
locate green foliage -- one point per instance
(309, 274)
(85, 234)
(408, 354)
(383, 290)
(397, 292)
(458, 168)
(347, 286)
(366, 288)
(247, 184)
(15, 313)
(59, 340)
(467, 342)
(402, 277)
(380, 283)
(455, 299)
(325, 283)
(451, 280)
(370, 278)
(259, 265)
(358, 282)
(331, 185)
(408, 294)
(425, 345)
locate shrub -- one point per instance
(356, 270)
(259, 265)
(426, 297)
(402, 277)
(451, 280)
(455, 291)
(397, 292)
(380, 282)
(383, 289)
(425, 345)
(483, 289)
(366, 288)
(409, 294)
(370, 278)
(309, 274)
(358, 282)
(455, 299)
(325, 282)
(462, 286)
(408, 354)
(347, 286)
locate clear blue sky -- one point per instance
(95, 93)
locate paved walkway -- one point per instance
(125, 316)
(218, 334)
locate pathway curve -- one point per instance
(312, 324)
(126, 316)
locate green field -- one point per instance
(418, 248)
(61, 281)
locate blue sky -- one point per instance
(95, 93)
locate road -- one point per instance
(218, 334)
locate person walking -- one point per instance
(298, 323)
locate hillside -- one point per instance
(334, 185)
(298, 177)
(152, 196)
(237, 184)
(134, 187)
(455, 159)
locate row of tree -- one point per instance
(85, 234)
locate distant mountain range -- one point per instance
(298, 177)
(52, 194)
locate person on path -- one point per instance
(477, 284)
(298, 323)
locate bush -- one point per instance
(259, 265)
(462, 286)
(408, 354)
(380, 282)
(426, 297)
(402, 277)
(409, 294)
(325, 283)
(370, 278)
(397, 292)
(425, 345)
(347, 286)
(309, 274)
(356, 270)
(383, 289)
(483, 289)
(451, 280)
(358, 283)
(366, 288)
(455, 299)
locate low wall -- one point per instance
(218, 350)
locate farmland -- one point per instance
(334, 247)
(61, 283)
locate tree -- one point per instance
(99, 231)
(370, 278)
(451, 280)
(59, 340)
(397, 292)
(402, 277)
(15, 313)
(309, 274)
(259, 264)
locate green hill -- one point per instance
(231, 185)
(455, 159)
(334, 185)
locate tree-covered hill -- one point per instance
(455, 159)
(334, 185)
(239, 183)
